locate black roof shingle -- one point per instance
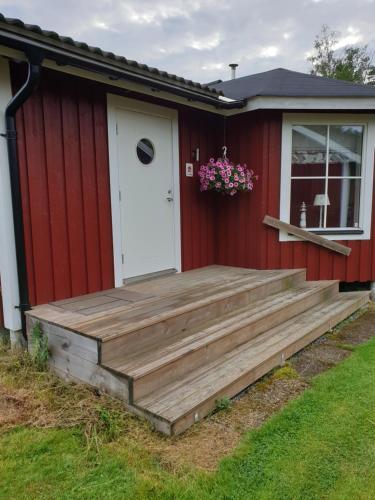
(282, 82)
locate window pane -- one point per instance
(145, 151)
(345, 150)
(344, 198)
(309, 150)
(305, 191)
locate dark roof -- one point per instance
(67, 43)
(285, 83)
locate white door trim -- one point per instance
(115, 102)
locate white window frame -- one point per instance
(368, 122)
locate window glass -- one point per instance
(309, 150)
(303, 193)
(326, 176)
(344, 202)
(345, 150)
(145, 151)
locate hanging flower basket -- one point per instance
(225, 177)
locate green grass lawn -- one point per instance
(322, 445)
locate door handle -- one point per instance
(169, 198)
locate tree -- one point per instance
(353, 63)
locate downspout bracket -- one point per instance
(10, 135)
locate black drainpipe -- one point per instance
(34, 59)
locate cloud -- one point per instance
(199, 38)
(351, 37)
(208, 42)
(213, 66)
(270, 51)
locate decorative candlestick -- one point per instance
(302, 221)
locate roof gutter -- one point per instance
(34, 59)
(68, 57)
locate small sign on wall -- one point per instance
(189, 170)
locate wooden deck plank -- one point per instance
(210, 346)
(194, 339)
(128, 320)
(174, 400)
(87, 302)
(307, 235)
(151, 299)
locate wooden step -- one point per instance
(176, 406)
(167, 361)
(162, 319)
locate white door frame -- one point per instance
(114, 103)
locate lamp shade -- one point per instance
(321, 200)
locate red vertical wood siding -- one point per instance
(198, 211)
(242, 239)
(63, 154)
(237, 237)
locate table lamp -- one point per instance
(321, 200)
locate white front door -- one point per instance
(145, 174)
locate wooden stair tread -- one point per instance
(159, 355)
(167, 286)
(156, 310)
(173, 401)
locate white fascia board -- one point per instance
(8, 262)
(311, 103)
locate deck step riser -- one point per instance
(252, 376)
(140, 339)
(212, 350)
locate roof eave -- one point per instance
(68, 55)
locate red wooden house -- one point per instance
(99, 162)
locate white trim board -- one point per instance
(115, 102)
(309, 104)
(368, 121)
(8, 262)
(254, 103)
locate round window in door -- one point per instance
(145, 151)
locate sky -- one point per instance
(197, 39)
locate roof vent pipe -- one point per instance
(233, 67)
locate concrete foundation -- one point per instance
(17, 340)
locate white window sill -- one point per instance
(346, 235)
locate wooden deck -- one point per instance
(112, 313)
(171, 346)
